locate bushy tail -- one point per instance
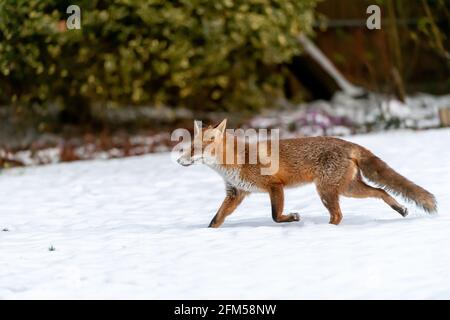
(377, 171)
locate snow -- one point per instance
(136, 228)
(345, 114)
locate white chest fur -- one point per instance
(233, 177)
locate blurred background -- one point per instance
(136, 70)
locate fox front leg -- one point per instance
(277, 200)
(232, 200)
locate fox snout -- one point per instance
(185, 161)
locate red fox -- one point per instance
(334, 165)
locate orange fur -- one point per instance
(334, 165)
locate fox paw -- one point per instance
(295, 216)
(404, 212)
(401, 209)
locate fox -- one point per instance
(334, 165)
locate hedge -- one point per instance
(200, 54)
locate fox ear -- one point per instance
(222, 126)
(197, 127)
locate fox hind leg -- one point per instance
(330, 199)
(358, 189)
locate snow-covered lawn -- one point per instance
(136, 228)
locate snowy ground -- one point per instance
(136, 228)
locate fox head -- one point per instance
(205, 146)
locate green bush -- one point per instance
(201, 54)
